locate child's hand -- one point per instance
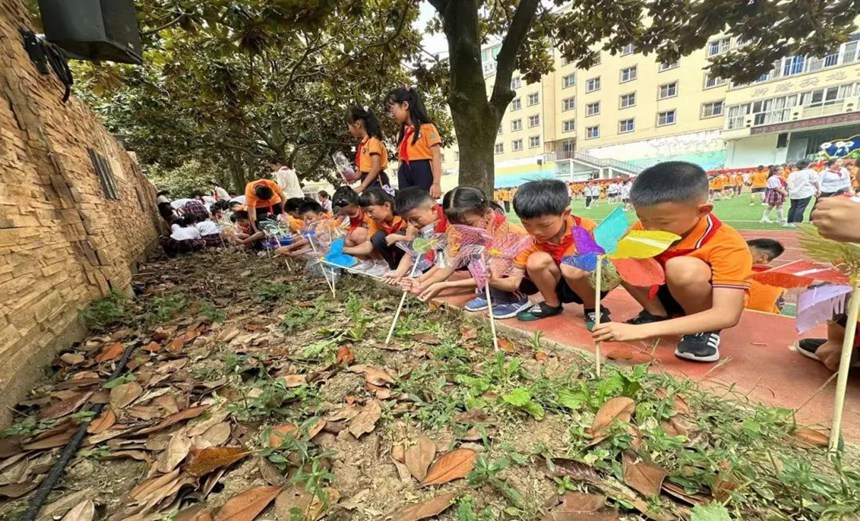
(431, 291)
(617, 332)
(391, 239)
(836, 218)
(392, 279)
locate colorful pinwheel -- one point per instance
(840, 267)
(630, 254)
(486, 254)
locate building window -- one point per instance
(628, 49)
(627, 100)
(669, 90)
(711, 109)
(516, 83)
(516, 125)
(592, 109)
(500, 130)
(720, 46)
(534, 141)
(533, 99)
(628, 74)
(568, 81)
(592, 132)
(666, 118)
(456, 155)
(500, 148)
(564, 61)
(568, 126)
(592, 85)
(713, 81)
(667, 66)
(516, 104)
(105, 173)
(534, 121)
(625, 126)
(568, 104)
(517, 145)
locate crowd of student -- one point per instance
(707, 272)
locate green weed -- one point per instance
(163, 308)
(108, 312)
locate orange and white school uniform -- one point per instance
(367, 149)
(416, 155)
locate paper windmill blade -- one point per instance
(800, 274)
(820, 304)
(337, 257)
(426, 251)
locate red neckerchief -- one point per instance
(498, 221)
(441, 222)
(837, 172)
(759, 269)
(395, 226)
(556, 251)
(714, 225)
(356, 222)
(358, 152)
(404, 144)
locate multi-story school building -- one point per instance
(629, 111)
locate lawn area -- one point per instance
(735, 212)
(252, 392)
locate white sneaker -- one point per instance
(378, 270)
(363, 266)
(765, 220)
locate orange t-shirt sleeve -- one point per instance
(430, 134)
(374, 147)
(763, 297)
(522, 257)
(731, 261)
(371, 226)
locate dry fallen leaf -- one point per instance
(507, 345)
(345, 356)
(297, 499)
(103, 422)
(450, 466)
(247, 505)
(809, 438)
(426, 509)
(64, 504)
(620, 353)
(425, 338)
(419, 457)
(294, 380)
(173, 419)
(616, 409)
(72, 358)
(218, 434)
(366, 420)
(17, 490)
(110, 353)
(65, 407)
(278, 434)
(176, 452)
(85, 511)
(581, 502)
(469, 334)
(540, 356)
(214, 458)
(377, 376)
(642, 476)
(123, 395)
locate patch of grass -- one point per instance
(211, 313)
(272, 291)
(163, 308)
(108, 312)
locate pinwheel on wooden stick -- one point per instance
(488, 255)
(612, 248)
(833, 282)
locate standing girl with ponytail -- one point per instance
(420, 145)
(371, 157)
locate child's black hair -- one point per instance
(163, 192)
(669, 182)
(540, 198)
(417, 113)
(371, 124)
(375, 197)
(343, 197)
(263, 192)
(310, 206)
(293, 204)
(771, 247)
(466, 200)
(323, 193)
(411, 198)
(802, 163)
(187, 220)
(240, 214)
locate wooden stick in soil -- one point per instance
(400, 306)
(845, 365)
(598, 276)
(492, 319)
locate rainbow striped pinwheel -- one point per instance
(629, 253)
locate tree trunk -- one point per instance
(476, 122)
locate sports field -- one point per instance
(736, 212)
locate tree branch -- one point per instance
(163, 27)
(506, 60)
(394, 35)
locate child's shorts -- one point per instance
(673, 308)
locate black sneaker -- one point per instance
(809, 346)
(701, 347)
(591, 318)
(645, 318)
(539, 311)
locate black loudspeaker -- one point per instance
(93, 29)
(782, 140)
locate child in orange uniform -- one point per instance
(424, 216)
(420, 144)
(758, 184)
(361, 227)
(706, 270)
(768, 299)
(371, 157)
(390, 228)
